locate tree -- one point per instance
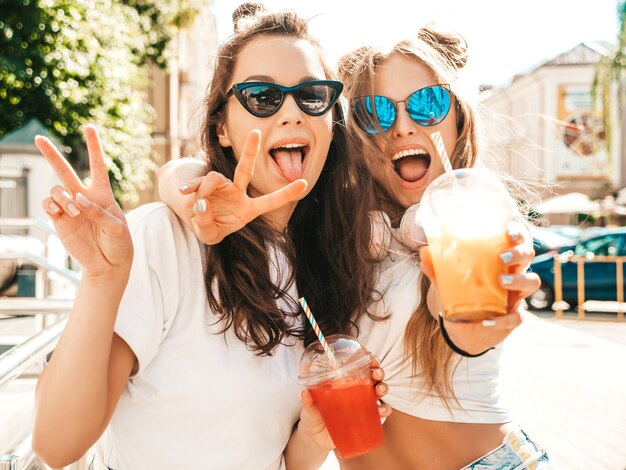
(610, 71)
(71, 62)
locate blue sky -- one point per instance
(505, 37)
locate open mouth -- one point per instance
(290, 160)
(411, 165)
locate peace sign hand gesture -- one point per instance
(88, 220)
(222, 207)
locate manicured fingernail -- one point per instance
(506, 279)
(53, 208)
(489, 323)
(82, 200)
(513, 235)
(72, 209)
(506, 257)
(378, 374)
(199, 205)
(382, 409)
(382, 388)
(183, 188)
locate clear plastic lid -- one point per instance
(316, 366)
(467, 201)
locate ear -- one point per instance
(222, 135)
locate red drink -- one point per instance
(351, 415)
(341, 385)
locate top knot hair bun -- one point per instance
(244, 12)
(450, 44)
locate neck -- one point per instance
(279, 218)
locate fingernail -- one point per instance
(378, 374)
(506, 257)
(382, 409)
(183, 188)
(72, 209)
(506, 279)
(489, 323)
(514, 235)
(199, 205)
(382, 388)
(82, 200)
(53, 208)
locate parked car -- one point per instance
(600, 276)
(570, 231)
(546, 241)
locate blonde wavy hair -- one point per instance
(444, 53)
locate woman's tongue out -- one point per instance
(289, 161)
(412, 168)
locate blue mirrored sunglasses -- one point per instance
(426, 106)
(263, 99)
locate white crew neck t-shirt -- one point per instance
(200, 399)
(475, 381)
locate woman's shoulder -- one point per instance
(155, 219)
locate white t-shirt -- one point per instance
(200, 399)
(475, 380)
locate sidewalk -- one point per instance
(567, 388)
(566, 384)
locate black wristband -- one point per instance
(453, 346)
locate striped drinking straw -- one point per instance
(441, 150)
(316, 329)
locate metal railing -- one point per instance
(580, 275)
(32, 352)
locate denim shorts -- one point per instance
(517, 452)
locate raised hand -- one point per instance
(222, 207)
(88, 220)
(477, 337)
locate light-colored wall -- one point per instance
(526, 129)
(178, 94)
(41, 177)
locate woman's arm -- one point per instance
(310, 442)
(173, 176)
(79, 389)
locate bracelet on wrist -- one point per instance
(453, 346)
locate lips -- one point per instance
(411, 165)
(289, 158)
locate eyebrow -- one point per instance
(267, 78)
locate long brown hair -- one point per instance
(327, 236)
(444, 54)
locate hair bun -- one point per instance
(246, 11)
(450, 44)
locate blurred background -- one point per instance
(550, 76)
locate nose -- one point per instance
(404, 125)
(289, 112)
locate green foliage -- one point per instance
(609, 73)
(71, 62)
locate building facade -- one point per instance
(177, 95)
(541, 126)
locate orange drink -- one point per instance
(465, 214)
(467, 272)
